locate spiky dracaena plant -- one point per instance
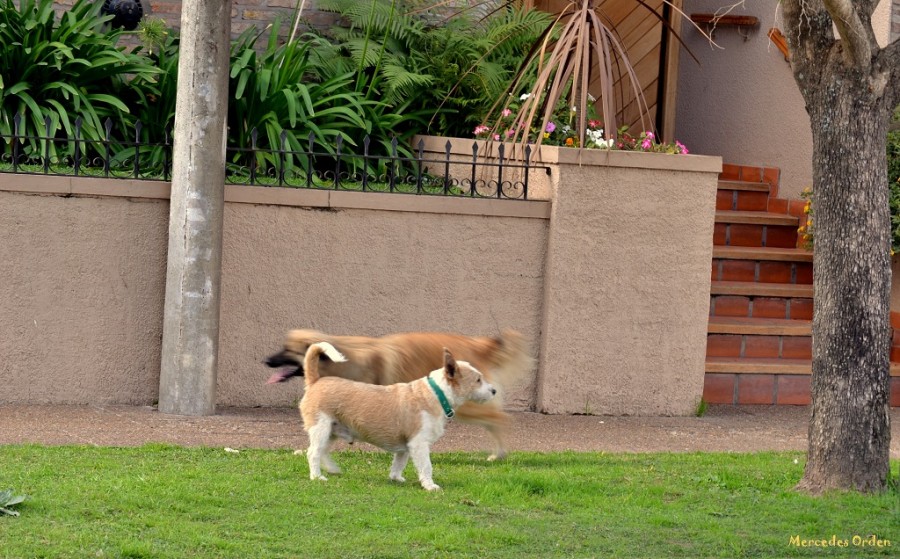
(586, 47)
(63, 69)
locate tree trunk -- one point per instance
(849, 433)
(190, 344)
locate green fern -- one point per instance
(456, 68)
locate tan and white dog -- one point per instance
(403, 418)
(405, 357)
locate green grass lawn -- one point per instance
(164, 501)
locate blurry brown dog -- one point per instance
(406, 357)
(405, 418)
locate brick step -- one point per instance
(768, 381)
(759, 326)
(758, 389)
(756, 218)
(758, 346)
(755, 229)
(742, 196)
(761, 307)
(765, 271)
(774, 254)
(760, 289)
(759, 366)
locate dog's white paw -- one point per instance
(431, 486)
(496, 456)
(319, 477)
(398, 479)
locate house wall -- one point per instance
(741, 100)
(614, 302)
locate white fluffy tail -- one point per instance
(311, 359)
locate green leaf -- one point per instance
(265, 76)
(110, 100)
(292, 107)
(16, 500)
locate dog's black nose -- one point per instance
(493, 391)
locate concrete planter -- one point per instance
(627, 278)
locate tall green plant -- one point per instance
(63, 69)
(273, 92)
(450, 71)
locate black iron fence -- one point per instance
(392, 167)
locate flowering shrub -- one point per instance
(806, 229)
(807, 233)
(561, 131)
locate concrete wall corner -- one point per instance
(626, 292)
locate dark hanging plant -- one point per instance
(126, 13)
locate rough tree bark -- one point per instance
(187, 380)
(850, 87)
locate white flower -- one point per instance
(596, 137)
(591, 98)
(524, 96)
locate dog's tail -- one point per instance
(512, 362)
(311, 360)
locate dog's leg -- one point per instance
(492, 418)
(498, 432)
(420, 451)
(399, 464)
(329, 464)
(319, 439)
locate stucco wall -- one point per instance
(741, 101)
(627, 290)
(371, 272)
(82, 283)
(83, 266)
(614, 300)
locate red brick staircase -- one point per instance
(759, 345)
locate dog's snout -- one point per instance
(493, 391)
(277, 360)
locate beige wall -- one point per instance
(373, 272)
(82, 282)
(616, 298)
(627, 289)
(741, 101)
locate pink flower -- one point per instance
(506, 112)
(481, 129)
(683, 148)
(550, 127)
(595, 124)
(496, 137)
(510, 133)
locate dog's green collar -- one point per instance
(442, 398)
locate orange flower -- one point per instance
(570, 142)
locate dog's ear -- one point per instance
(449, 364)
